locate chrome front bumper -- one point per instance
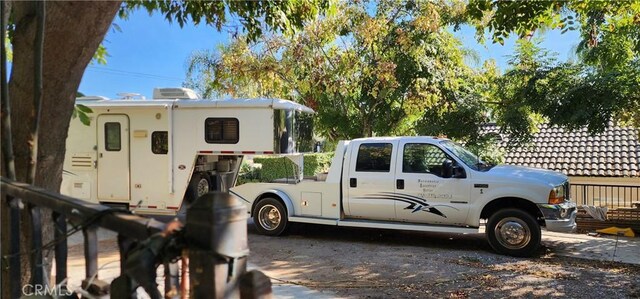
(561, 217)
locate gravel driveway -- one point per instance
(368, 263)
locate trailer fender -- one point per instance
(278, 194)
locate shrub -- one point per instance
(280, 167)
(248, 174)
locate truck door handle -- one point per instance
(399, 184)
(353, 182)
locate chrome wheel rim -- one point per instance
(513, 233)
(269, 217)
(203, 187)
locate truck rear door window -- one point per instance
(374, 157)
(221, 130)
(112, 137)
(423, 158)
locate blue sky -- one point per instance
(150, 52)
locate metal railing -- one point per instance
(213, 243)
(611, 196)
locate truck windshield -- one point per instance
(466, 156)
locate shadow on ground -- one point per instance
(372, 263)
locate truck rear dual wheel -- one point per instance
(270, 217)
(513, 232)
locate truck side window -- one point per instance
(423, 158)
(374, 157)
(160, 142)
(112, 137)
(221, 130)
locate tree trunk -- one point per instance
(73, 32)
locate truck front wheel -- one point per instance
(270, 217)
(513, 232)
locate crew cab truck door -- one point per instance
(369, 180)
(422, 194)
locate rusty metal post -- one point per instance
(61, 248)
(91, 283)
(13, 262)
(216, 233)
(90, 252)
(37, 267)
(171, 279)
(184, 274)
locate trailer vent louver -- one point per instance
(81, 162)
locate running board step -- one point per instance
(408, 226)
(386, 225)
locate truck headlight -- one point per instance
(557, 195)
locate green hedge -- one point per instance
(280, 167)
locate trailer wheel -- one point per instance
(199, 185)
(270, 217)
(513, 232)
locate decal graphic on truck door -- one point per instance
(415, 203)
(419, 174)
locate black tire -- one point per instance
(199, 185)
(270, 217)
(513, 232)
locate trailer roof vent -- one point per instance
(131, 96)
(174, 93)
(91, 98)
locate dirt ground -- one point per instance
(370, 263)
(367, 263)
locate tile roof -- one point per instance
(612, 153)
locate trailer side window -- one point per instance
(221, 130)
(160, 142)
(374, 157)
(112, 137)
(423, 158)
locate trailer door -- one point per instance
(113, 158)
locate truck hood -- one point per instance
(528, 174)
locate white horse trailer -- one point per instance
(149, 155)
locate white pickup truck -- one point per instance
(420, 184)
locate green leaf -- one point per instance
(116, 28)
(83, 108)
(84, 118)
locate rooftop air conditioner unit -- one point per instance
(174, 93)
